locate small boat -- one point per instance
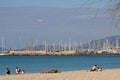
(2, 54)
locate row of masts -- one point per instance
(69, 46)
(60, 46)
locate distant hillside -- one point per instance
(111, 40)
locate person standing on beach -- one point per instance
(7, 71)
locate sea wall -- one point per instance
(29, 52)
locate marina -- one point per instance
(103, 46)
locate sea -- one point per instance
(35, 64)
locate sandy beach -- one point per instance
(108, 74)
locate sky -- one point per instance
(53, 21)
(52, 3)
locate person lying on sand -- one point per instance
(52, 71)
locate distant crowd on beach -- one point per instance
(17, 71)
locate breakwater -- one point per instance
(30, 52)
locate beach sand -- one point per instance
(108, 74)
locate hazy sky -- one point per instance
(53, 21)
(53, 3)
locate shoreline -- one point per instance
(107, 74)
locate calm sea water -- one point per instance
(61, 63)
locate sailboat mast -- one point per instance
(2, 44)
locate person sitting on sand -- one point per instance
(23, 72)
(94, 68)
(17, 70)
(99, 69)
(7, 71)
